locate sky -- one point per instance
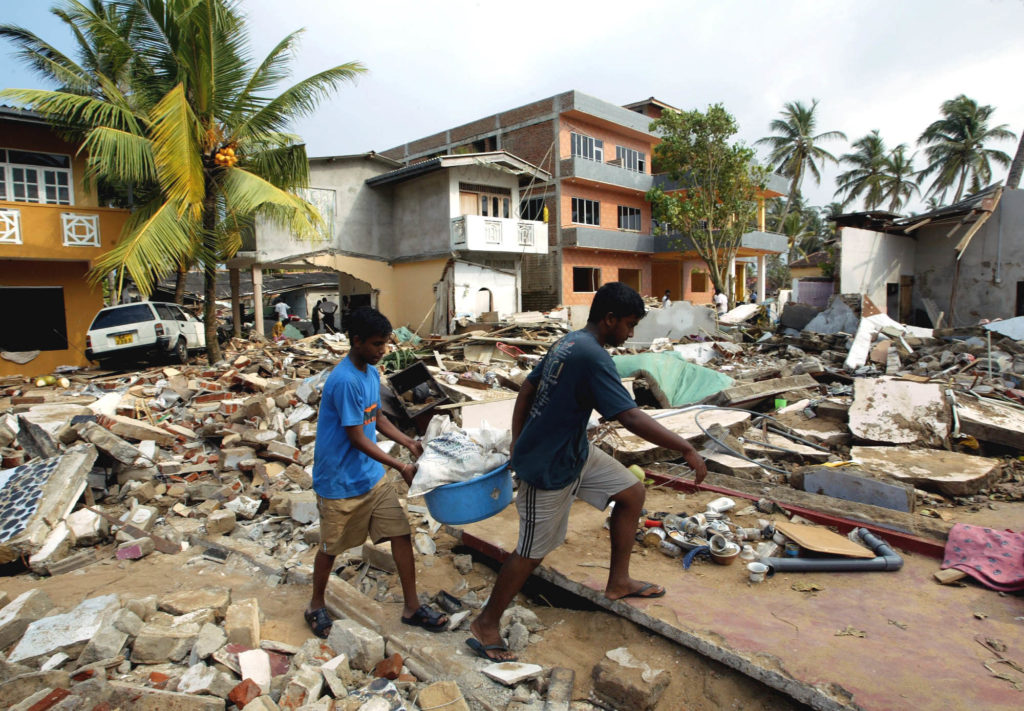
(432, 65)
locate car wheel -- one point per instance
(181, 351)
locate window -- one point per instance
(587, 147)
(585, 279)
(629, 218)
(586, 212)
(167, 312)
(631, 160)
(40, 323)
(532, 209)
(698, 282)
(122, 316)
(28, 176)
(494, 206)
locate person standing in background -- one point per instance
(721, 302)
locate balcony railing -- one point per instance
(610, 173)
(10, 226)
(57, 231)
(494, 234)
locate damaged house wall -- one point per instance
(471, 279)
(991, 269)
(871, 260)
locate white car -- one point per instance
(142, 330)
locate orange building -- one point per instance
(52, 229)
(599, 157)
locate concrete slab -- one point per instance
(66, 633)
(837, 318)
(628, 448)
(37, 495)
(991, 422)
(950, 473)
(899, 412)
(787, 639)
(1010, 327)
(852, 485)
(741, 395)
(679, 320)
(743, 312)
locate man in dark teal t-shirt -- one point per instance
(556, 464)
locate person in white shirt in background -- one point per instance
(721, 302)
(282, 310)
(665, 300)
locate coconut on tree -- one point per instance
(190, 113)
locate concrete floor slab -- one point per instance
(950, 473)
(919, 648)
(899, 412)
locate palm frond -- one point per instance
(176, 136)
(119, 155)
(300, 99)
(46, 60)
(152, 243)
(73, 109)
(246, 194)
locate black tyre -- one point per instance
(181, 352)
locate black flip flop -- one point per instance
(319, 621)
(640, 592)
(427, 618)
(481, 650)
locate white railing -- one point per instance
(493, 234)
(80, 230)
(10, 226)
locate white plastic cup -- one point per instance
(757, 571)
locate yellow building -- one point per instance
(51, 232)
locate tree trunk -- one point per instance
(179, 284)
(960, 187)
(1017, 167)
(793, 190)
(210, 273)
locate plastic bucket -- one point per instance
(473, 500)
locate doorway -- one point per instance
(631, 278)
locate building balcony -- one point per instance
(606, 174)
(59, 232)
(753, 243)
(474, 233)
(596, 238)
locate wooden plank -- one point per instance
(822, 540)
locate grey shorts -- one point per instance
(544, 514)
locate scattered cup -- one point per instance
(757, 571)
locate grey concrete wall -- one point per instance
(362, 218)
(421, 216)
(989, 273)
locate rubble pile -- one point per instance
(219, 457)
(199, 650)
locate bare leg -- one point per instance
(511, 578)
(628, 505)
(401, 550)
(322, 566)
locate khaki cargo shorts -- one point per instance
(345, 523)
(544, 513)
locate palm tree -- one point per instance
(794, 149)
(955, 147)
(195, 118)
(899, 179)
(867, 166)
(1017, 167)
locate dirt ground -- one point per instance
(577, 635)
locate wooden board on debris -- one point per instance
(629, 448)
(822, 540)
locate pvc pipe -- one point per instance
(885, 559)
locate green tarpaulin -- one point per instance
(674, 381)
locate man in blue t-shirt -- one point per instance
(556, 464)
(353, 496)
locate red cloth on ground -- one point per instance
(994, 558)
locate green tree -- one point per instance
(899, 179)
(718, 183)
(191, 113)
(795, 150)
(867, 167)
(955, 147)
